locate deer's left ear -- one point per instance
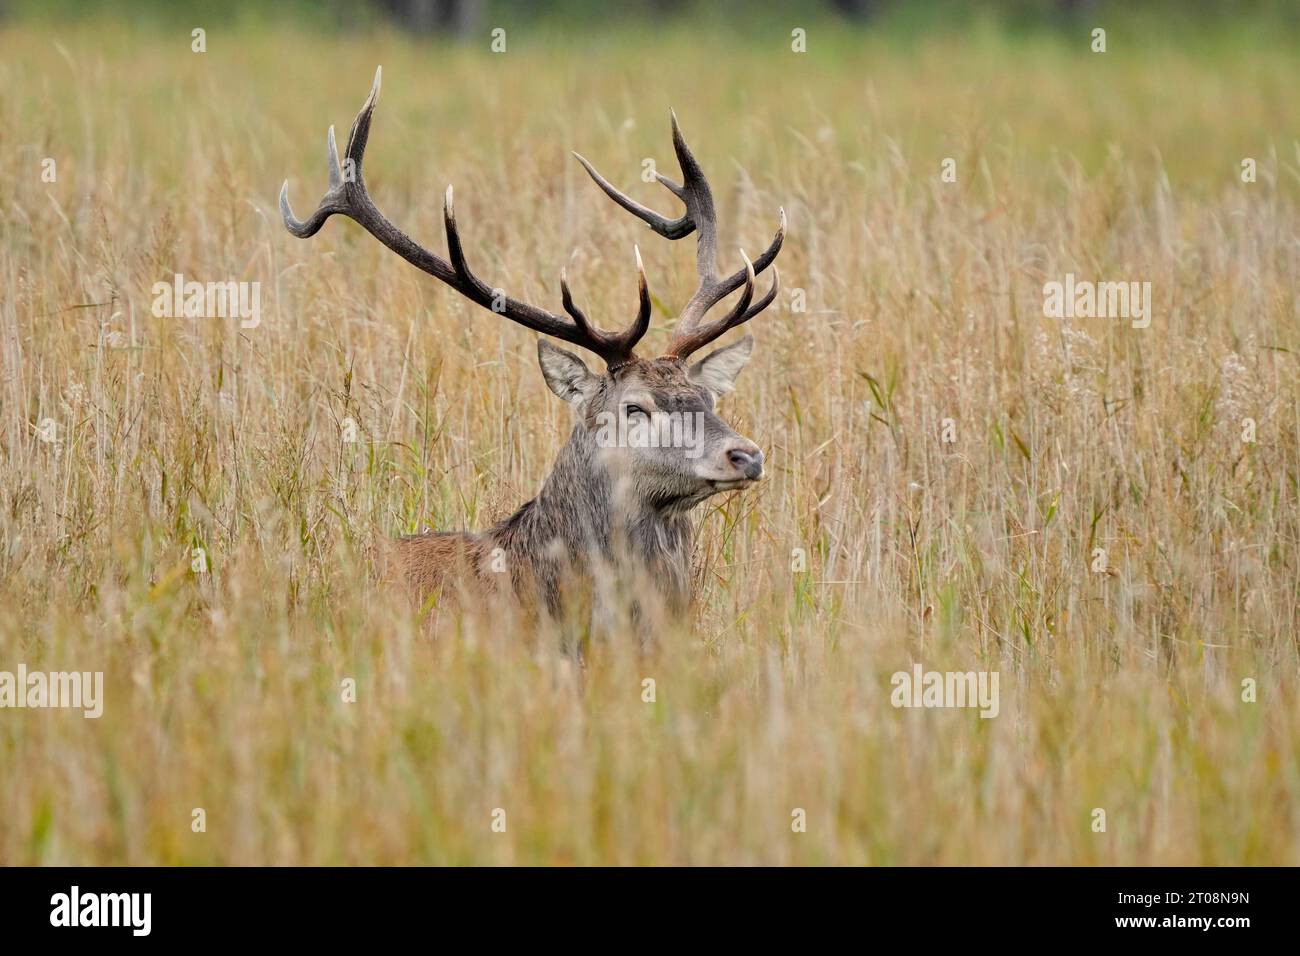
(717, 371)
(565, 373)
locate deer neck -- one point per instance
(585, 516)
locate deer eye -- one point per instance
(633, 410)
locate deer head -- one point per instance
(650, 422)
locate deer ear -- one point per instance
(565, 373)
(717, 371)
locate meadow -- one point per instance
(955, 479)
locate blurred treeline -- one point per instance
(468, 17)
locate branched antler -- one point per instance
(700, 217)
(347, 196)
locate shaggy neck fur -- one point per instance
(586, 527)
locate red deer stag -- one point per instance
(612, 519)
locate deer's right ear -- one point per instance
(565, 373)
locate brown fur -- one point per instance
(427, 564)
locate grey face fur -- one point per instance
(654, 428)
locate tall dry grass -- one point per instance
(1120, 690)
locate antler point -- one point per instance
(373, 96)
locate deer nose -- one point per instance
(748, 460)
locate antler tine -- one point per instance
(767, 299)
(615, 347)
(668, 228)
(328, 206)
(701, 218)
(336, 199)
(348, 196)
(686, 341)
(694, 191)
(478, 290)
(710, 294)
(642, 323)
